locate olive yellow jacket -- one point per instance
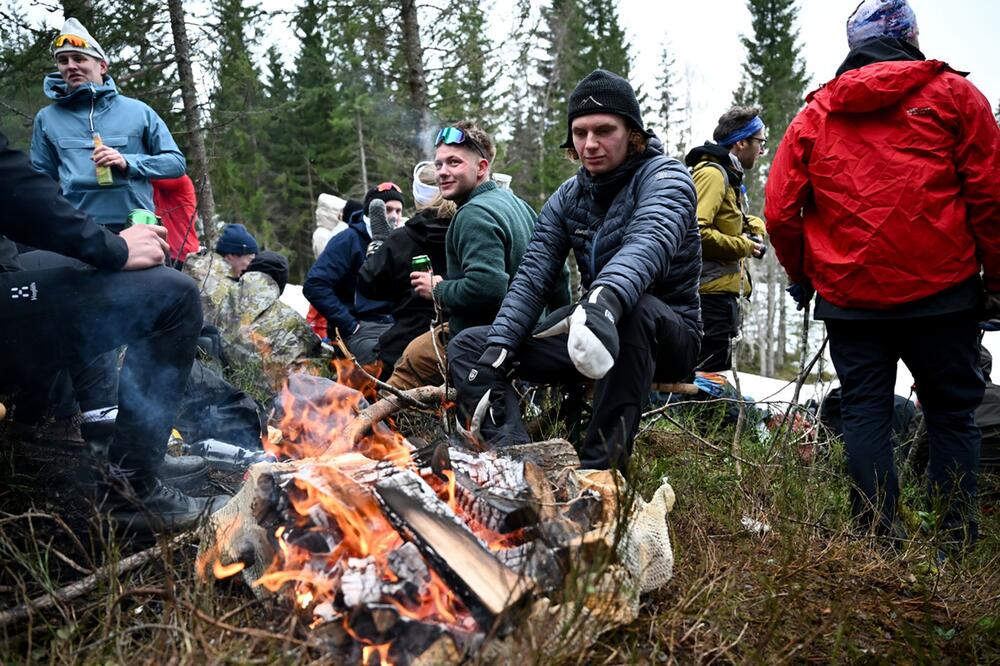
(721, 224)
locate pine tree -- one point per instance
(774, 78)
(238, 166)
(669, 109)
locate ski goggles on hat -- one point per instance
(453, 136)
(386, 186)
(72, 40)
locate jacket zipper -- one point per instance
(93, 96)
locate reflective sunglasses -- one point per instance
(385, 187)
(72, 40)
(453, 136)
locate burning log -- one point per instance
(484, 583)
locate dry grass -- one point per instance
(807, 591)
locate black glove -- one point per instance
(379, 224)
(592, 342)
(802, 293)
(483, 394)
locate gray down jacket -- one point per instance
(646, 241)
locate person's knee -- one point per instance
(179, 295)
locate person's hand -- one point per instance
(802, 294)
(105, 155)
(423, 283)
(592, 342)
(759, 248)
(482, 397)
(991, 312)
(147, 246)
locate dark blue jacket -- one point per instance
(331, 285)
(645, 240)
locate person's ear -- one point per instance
(484, 167)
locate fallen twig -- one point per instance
(382, 409)
(84, 585)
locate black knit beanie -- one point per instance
(603, 92)
(387, 194)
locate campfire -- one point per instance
(392, 550)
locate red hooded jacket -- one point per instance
(886, 187)
(176, 204)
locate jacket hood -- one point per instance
(880, 84)
(57, 90)
(425, 226)
(720, 154)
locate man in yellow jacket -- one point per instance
(728, 233)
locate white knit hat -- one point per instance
(74, 29)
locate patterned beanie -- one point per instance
(881, 18)
(74, 38)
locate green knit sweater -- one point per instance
(484, 245)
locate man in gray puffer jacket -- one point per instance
(629, 216)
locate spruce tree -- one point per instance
(774, 78)
(238, 165)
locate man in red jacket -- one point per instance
(884, 196)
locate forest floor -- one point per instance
(797, 586)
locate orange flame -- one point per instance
(221, 570)
(381, 650)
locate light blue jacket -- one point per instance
(62, 144)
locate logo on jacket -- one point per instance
(920, 111)
(26, 292)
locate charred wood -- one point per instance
(484, 584)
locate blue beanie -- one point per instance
(235, 239)
(881, 18)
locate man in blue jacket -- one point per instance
(331, 284)
(132, 139)
(88, 127)
(629, 217)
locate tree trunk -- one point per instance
(192, 119)
(782, 324)
(361, 150)
(767, 363)
(413, 52)
(83, 10)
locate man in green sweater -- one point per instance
(484, 245)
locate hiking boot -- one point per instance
(185, 473)
(162, 509)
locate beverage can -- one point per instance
(421, 264)
(142, 216)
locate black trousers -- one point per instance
(655, 344)
(91, 384)
(942, 352)
(64, 317)
(720, 316)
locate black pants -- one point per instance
(720, 315)
(655, 345)
(63, 317)
(943, 354)
(91, 384)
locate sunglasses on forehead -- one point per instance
(72, 40)
(452, 136)
(385, 187)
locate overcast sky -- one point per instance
(704, 38)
